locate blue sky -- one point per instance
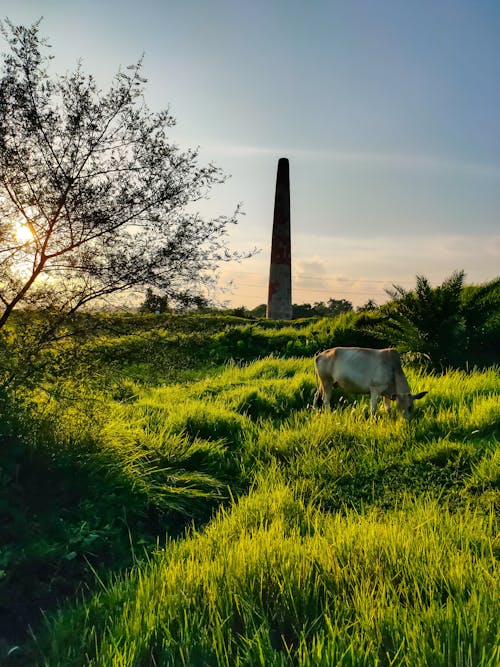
(388, 110)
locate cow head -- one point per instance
(405, 403)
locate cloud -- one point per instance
(388, 160)
(357, 270)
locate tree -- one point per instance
(154, 303)
(332, 308)
(480, 305)
(369, 306)
(301, 310)
(450, 324)
(428, 320)
(338, 306)
(258, 311)
(93, 194)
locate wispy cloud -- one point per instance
(388, 160)
(357, 270)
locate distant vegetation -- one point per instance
(451, 325)
(168, 497)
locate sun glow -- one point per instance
(23, 233)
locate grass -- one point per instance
(277, 582)
(218, 520)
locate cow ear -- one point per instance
(419, 395)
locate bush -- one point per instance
(449, 325)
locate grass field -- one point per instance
(206, 515)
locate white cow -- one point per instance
(361, 370)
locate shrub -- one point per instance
(449, 325)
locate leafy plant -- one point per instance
(449, 325)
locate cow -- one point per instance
(362, 370)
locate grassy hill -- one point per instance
(168, 497)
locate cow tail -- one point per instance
(318, 396)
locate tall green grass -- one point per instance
(277, 582)
(340, 540)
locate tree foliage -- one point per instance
(155, 303)
(95, 201)
(93, 195)
(332, 308)
(450, 324)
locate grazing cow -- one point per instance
(362, 370)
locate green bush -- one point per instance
(449, 325)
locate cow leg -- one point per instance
(318, 398)
(327, 392)
(387, 403)
(374, 396)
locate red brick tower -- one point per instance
(279, 300)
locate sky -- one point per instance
(388, 111)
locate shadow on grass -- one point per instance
(69, 514)
(442, 476)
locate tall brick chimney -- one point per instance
(279, 300)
